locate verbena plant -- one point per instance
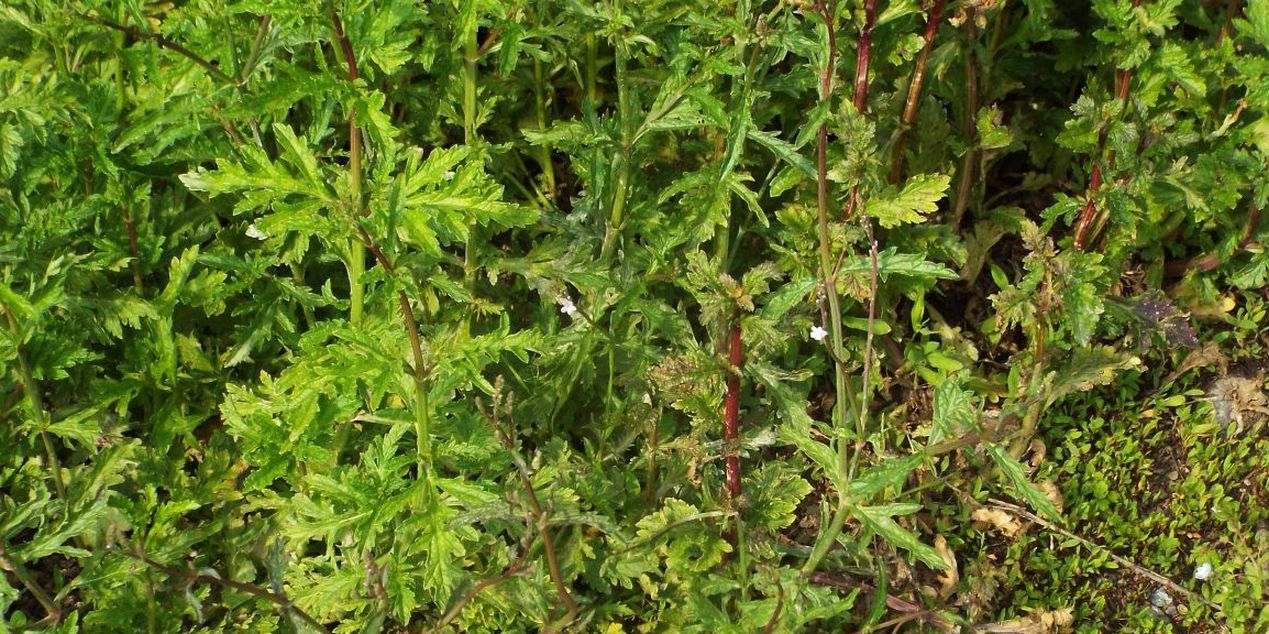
(615, 316)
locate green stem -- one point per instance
(592, 70)
(356, 264)
(544, 151)
(470, 57)
(616, 216)
(50, 606)
(469, 88)
(36, 402)
(966, 183)
(829, 537)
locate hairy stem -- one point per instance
(544, 151)
(863, 55)
(422, 411)
(512, 570)
(1210, 261)
(866, 400)
(913, 100)
(357, 265)
(249, 63)
(621, 161)
(470, 57)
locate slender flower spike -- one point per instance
(818, 333)
(1203, 571)
(567, 307)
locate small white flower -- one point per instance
(1203, 571)
(818, 333)
(255, 232)
(567, 307)
(448, 175)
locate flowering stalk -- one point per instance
(913, 100)
(863, 56)
(827, 275)
(1123, 84)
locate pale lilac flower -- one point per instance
(818, 333)
(1203, 571)
(567, 307)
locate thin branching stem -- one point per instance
(515, 568)
(357, 264)
(189, 576)
(1210, 261)
(838, 580)
(540, 517)
(249, 64)
(1098, 548)
(163, 42)
(731, 409)
(134, 262)
(866, 398)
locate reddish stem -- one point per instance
(863, 56)
(731, 412)
(913, 100)
(1123, 83)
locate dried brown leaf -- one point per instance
(951, 574)
(1038, 622)
(998, 519)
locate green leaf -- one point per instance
(919, 196)
(953, 411)
(880, 520)
(890, 473)
(1022, 486)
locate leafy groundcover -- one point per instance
(633, 316)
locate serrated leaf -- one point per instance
(880, 520)
(919, 196)
(953, 411)
(1021, 484)
(890, 473)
